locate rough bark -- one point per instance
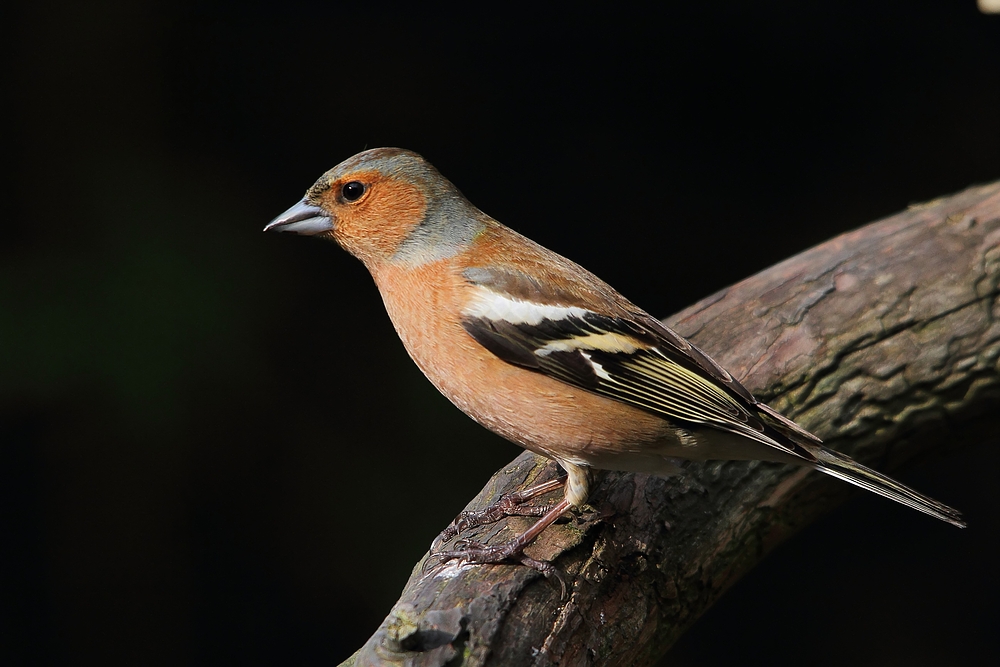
(884, 341)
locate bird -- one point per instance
(544, 353)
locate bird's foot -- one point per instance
(477, 553)
(510, 504)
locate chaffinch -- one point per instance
(540, 350)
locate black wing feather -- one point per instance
(663, 374)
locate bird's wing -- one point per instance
(630, 357)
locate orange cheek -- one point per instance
(375, 227)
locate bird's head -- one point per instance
(385, 204)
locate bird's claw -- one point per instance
(477, 553)
(510, 504)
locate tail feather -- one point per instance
(847, 469)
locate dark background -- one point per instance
(213, 448)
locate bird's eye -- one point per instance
(352, 191)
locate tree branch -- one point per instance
(883, 341)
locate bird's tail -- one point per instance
(842, 467)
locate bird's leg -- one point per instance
(514, 550)
(510, 504)
(577, 485)
(479, 553)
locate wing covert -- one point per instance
(620, 359)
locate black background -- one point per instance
(213, 448)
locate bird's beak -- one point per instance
(303, 218)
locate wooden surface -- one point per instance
(884, 341)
